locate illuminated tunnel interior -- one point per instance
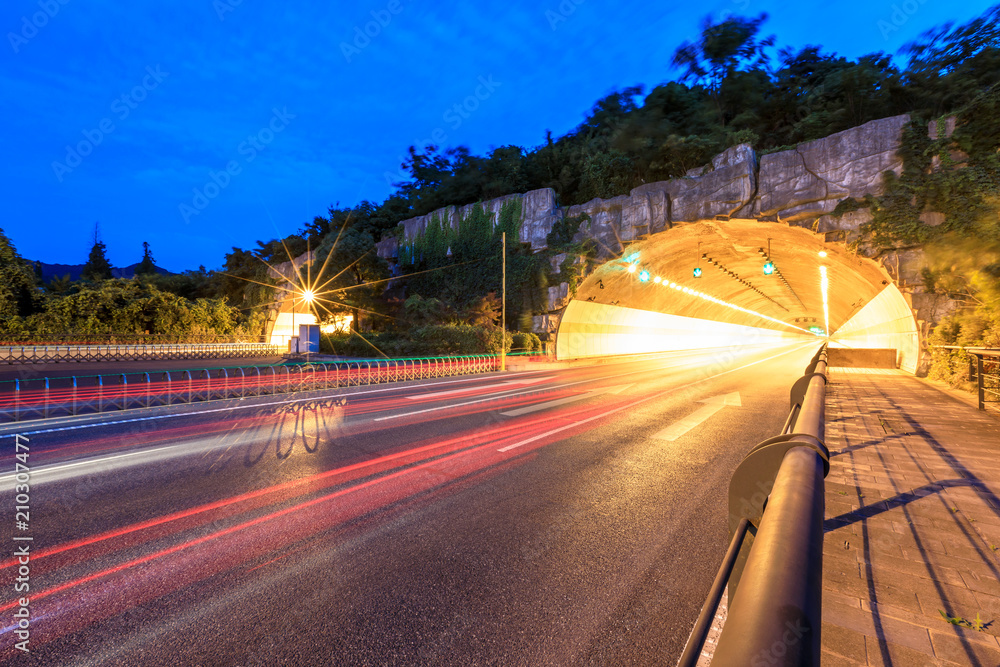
(747, 292)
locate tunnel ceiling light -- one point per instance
(768, 268)
(822, 253)
(657, 280)
(726, 304)
(824, 286)
(697, 272)
(644, 276)
(631, 268)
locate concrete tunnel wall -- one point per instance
(884, 322)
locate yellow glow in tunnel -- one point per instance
(590, 329)
(631, 305)
(885, 322)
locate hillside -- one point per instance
(50, 271)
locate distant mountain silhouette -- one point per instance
(50, 271)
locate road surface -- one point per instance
(575, 516)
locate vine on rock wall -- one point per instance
(465, 264)
(959, 177)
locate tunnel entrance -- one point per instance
(720, 283)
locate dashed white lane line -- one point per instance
(452, 392)
(641, 400)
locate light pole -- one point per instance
(503, 305)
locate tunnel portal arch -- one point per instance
(648, 299)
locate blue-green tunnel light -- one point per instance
(697, 272)
(644, 276)
(768, 268)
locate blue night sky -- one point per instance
(161, 96)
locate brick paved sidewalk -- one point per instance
(912, 525)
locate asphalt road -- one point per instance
(562, 517)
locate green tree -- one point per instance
(19, 296)
(725, 48)
(246, 281)
(98, 267)
(148, 265)
(59, 285)
(346, 265)
(950, 65)
(607, 174)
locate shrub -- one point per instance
(526, 342)
(427, 341)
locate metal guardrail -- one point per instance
(981, 360)
(112, 338)
(20, 354)
(774, 563)
(42, 398)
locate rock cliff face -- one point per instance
(809, 181)
(538, 213)
(801, 186)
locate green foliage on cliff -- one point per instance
(959, 177)
(463, 265)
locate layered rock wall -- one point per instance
(801, 186)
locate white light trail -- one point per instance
(720, 302)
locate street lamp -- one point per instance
(308, 296)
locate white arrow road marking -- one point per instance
(563, 401)
(464, 390)
(713, 405)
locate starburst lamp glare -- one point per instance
(308, 296)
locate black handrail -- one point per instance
(977, 369)
(704, 623)
(774, 563)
